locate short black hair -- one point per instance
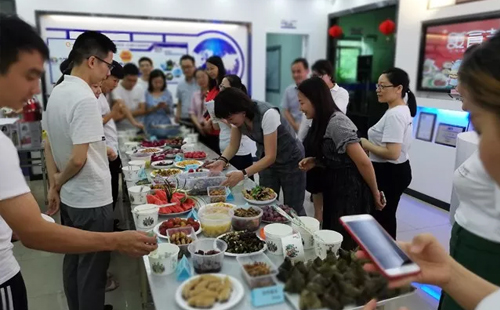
(231, 101)
(130, 69)
(145, 59)
(303, 61)
(188, 57)
(91, 43)
(153, 75)
(235, 81)
(117, 70)
(324, 67)
(18, 36)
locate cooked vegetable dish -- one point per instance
(242, 242)
(259, 193)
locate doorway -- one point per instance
(281, 51)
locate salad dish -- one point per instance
(259, 195)
(165, 173)
(242, 243)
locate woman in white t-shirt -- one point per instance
(389, 141)
(278, 150)
(243, 158)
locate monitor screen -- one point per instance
(444, 45)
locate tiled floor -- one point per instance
(42, 271)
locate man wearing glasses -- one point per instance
(78, 166)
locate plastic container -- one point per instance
(215, 221)
(274, 233)
(163, 261)
(247, 223)
(138, 194)
(131, 173)
(258, 281)
(217, 198)
(313, 225)
(197, 183)
(189, 231)
(139, 156)
(207, 263)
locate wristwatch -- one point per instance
(245, 174)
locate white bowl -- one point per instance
(327, 240)
(138, 194)
(131, 173)
(139, 163)
(146, 216)
(163, 261)
(313, 225)
(274, 233)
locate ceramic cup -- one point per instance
(327, 240)
(146, 216)
(274, 233)
(131, 173)
(138, 194)
(313, 225)
(193, 137)
(189, 147)
(131, 146)
(163, 261)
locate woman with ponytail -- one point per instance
(389, 141)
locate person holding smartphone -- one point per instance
(159, 101)
(389, 141)
(479, 84)
(346, 177)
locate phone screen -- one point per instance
(379, 244)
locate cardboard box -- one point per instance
(30, 134)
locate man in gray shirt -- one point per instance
(185, 89)
(290, 102)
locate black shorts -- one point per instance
(13, 294)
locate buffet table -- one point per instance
(163, 288)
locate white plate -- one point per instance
(156, 229)
(200, 163)
(257, 202)
(243, 254)
(51, 220)
(156, 164)
(153, 173)
(236, 295)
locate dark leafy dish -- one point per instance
(242, 242)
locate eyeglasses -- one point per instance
(379, 86)
(110, 66)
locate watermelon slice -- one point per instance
(161, 194)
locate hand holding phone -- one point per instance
(389, 258)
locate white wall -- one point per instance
(341, 5)
(265, 16)
(432, 164)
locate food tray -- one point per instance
(196, 183)
(293, 299)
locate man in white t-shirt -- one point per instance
(290, 102)
(145, 66)
(22, 64)
(132, 95)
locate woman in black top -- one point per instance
(348, 182)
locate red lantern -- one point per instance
(335, 31)
(387, 27)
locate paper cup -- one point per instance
(193, 137)
(163, 261)
(131, 173)
(307, 238)
(274, 233)
(138, 163)
(138, 194)
(190, 147)
(327, 240)
(131, 146)
(146, 216)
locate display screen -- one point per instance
(379, 244)
(443, 48)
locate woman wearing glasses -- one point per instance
(389, 141)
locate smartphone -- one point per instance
(379, 246)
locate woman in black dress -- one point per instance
(347, 178)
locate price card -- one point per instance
(265, 296)
(189, 167)
(183, 270)
(178, 158)
(193, 214)
(142, 174)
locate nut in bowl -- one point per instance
(247, 219)
(149, 150)
(181, 237)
